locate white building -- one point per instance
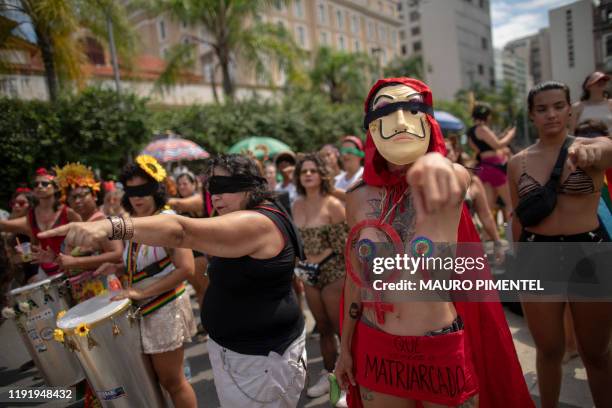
(513, 68)
(535, 49)
(571, 44)
(454, 38)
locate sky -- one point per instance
(514, 19)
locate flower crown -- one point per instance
(152, 167)
(74, 175)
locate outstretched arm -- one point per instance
(232, 235)
(16, 226)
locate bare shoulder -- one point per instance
(336, 209)
(298, 204)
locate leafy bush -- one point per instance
(303, 121)
(95, 127)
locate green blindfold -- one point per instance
(352, 150)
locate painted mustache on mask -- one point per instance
(420, 136)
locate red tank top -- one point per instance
(54, 243)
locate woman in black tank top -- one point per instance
(257, 340)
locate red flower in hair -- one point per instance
(22, 190)
(41, 171)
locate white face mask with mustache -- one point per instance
(400, 137)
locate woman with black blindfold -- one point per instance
(555, 188)
(257, 342)
(155, 279)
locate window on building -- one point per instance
(341, 43)
(321, 13)
(414, 16)
(480, 69)
(161, 27)
(301, 36)
(163, 52)
(484, 43)
(356, 46)
(393, 35)
(371, 30)
(278, 5)
(382, 33)
(340, 19)
(482, 4)
(404, 50)
(354, 24)
(416, 46)
(324, 38)
(298, 8)
(415, 30)
(402, 34)
(607, 42)
(94, 51)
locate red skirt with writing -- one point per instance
(436, 369)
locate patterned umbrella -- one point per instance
(172, 149)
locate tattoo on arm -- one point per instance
(355, 311)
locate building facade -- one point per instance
(369, 26)
(535, 50)
(602, 36)
(571, 44)
(455, 41)
(512, 68)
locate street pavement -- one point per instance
(574, 391)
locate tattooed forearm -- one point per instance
(355, 311)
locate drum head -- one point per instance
(34, 285)
(92, 311)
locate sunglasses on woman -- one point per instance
(44, 184)
(19, 203)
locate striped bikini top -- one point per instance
(578, 182)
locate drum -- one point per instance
(35, 309)
(105, 337)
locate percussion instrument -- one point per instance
(105, 337)
(35, 309)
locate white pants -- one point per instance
(272, 381)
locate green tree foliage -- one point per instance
(303, 121)
(96, 128)
(55, 23)
(341, 75)
(405, 67)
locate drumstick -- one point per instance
(17, 239)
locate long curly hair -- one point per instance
(325, 188)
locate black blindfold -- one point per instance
(233, 184)
(142, 190)
(410, 106)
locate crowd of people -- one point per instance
(260, 240)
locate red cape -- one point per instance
(500, 376)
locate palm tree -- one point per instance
(342, 75)
(236, 33)
(55, 24)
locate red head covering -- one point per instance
(375, 172)
(42, 172)
(490, 341)
(21, 190)
(354, 140)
